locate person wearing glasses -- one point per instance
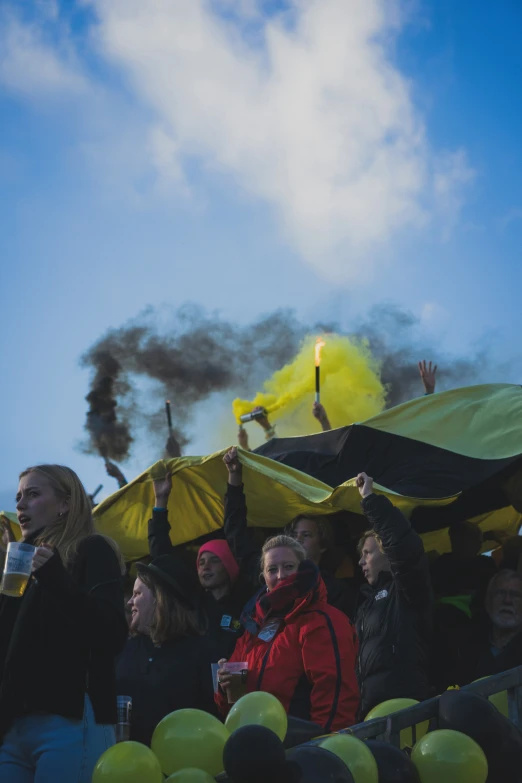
(501, 647)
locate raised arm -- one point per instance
(268, 429)
(6, 536)
(242, 438)
(319, 412)
(159, 527)
(237, 533)
(402, 545)
(114, 472)
(428, 374)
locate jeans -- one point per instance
(43, 748)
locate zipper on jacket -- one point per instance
(263, 665)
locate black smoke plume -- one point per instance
(110, 437)
(192, 357)
(392, 335)
(188, 356)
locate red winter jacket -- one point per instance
(309, 663)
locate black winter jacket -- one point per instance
(163, 678)
(60, 640)
(394, 619)
(507, 658)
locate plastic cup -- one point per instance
(17, 568)
(236, 689)
(214, 668)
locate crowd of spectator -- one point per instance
(331, 637)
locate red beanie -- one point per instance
(220, 548)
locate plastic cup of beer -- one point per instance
(124, 710)
(17, 568)
(236, 689)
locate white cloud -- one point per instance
(304, 111)
(316, 120)
(165, 154)
(31, 65)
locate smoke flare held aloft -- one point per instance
(351, 388)
(187, 356)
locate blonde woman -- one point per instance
(59, 641)
(297, 646)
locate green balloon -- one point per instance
(395, 705)
(356, 755)
(447, 756)
(260, 709)
(191, 775)
(190, 738)
(499, 700)
(128, 762)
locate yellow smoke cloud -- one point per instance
(351, 389)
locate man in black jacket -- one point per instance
(225, 586)
(394, 619)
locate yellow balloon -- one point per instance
(395, 705)
(356, 755)
(448, 756)
(499, 700)
(190, 738)
(261, 709)
(191, 775)
(128, 762)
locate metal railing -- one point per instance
(389, 728)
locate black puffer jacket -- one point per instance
(394, 619)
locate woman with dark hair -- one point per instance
(59, 640)
(165, 665)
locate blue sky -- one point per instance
(323, 155)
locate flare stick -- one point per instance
(96, 491)
(319, 344)
(169, 415)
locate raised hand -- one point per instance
(234, 467)
(6, 531)
(319, 412)
(364, 485)
(428, 376)
(242, 438)
(114, 472)
(262, 420)
(162, 489)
